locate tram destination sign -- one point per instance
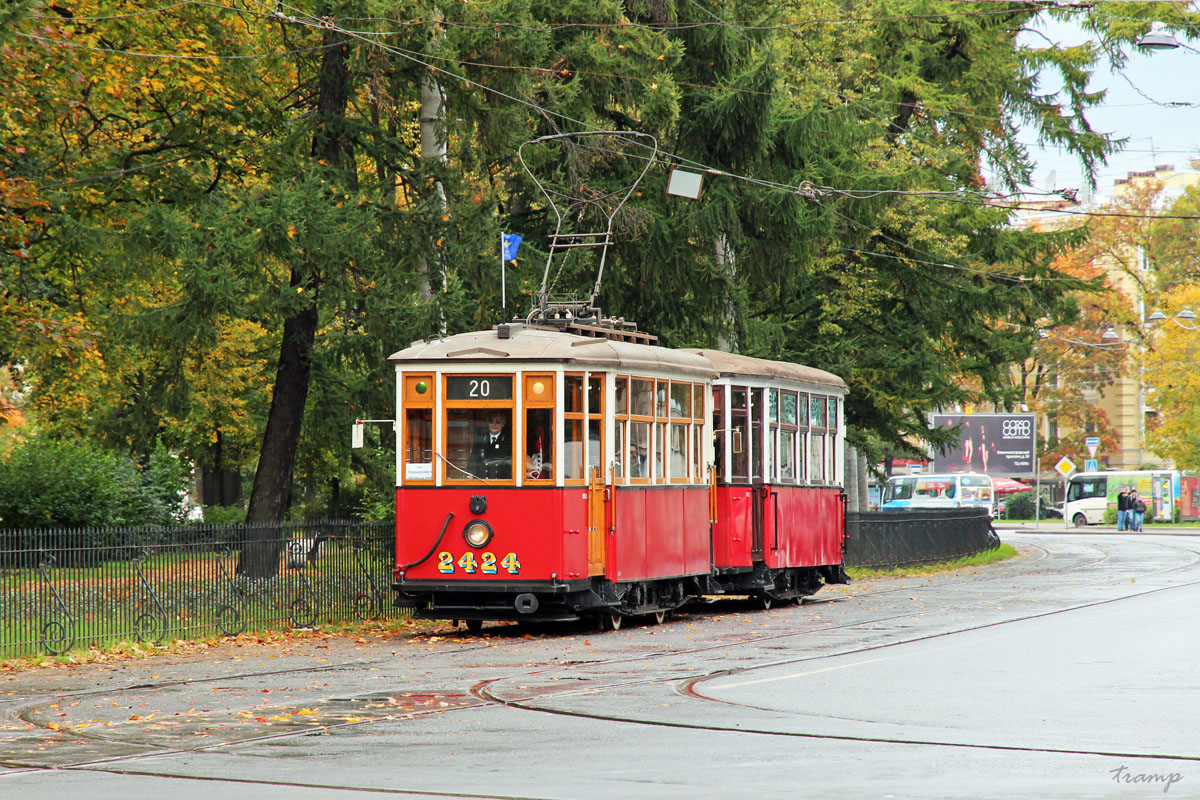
(479, 387)
(996, 444)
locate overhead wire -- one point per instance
(324, 23)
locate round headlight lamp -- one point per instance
(477, 533)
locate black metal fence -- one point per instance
(61, 589)
(903, 538)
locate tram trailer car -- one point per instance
(549, 475)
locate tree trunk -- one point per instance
(727, 262)
(433, 151)
(263, 542)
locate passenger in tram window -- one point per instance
(539, 444)
(638, 466)
(492, 455)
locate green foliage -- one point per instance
(1020, 506)
(47, 483)
(224, 515)
(195, 207)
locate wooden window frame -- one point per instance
(640, 419)
(449, 405)
(595, 415)
(530, 402)
(687, 420)
(412, 400)
(792, 428)
(579, 417)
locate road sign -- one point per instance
(1065, 467)
(1091, 465)
(1093, 444)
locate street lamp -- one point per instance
(1185, 319)
(1157, 39)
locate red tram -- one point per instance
(551, 473)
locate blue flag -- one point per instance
(511, 243)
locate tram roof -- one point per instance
(526, 343)
(735, 365)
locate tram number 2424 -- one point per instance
(486, 563)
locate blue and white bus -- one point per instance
(969, 490)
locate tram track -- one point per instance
(484, 691)
(687, 687)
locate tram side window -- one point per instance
(573, 427)
(619, 445)
(658, 449)
(678, 436)
(772, 434)
(479, 444)
(418, 449)
(817, 440)
(719, 430)
(539, 444)
(787, 437)
(639, 449)
(621, 412)
(642, 398)
(679, 444)
(802, 437)
(739, 439)
(595, 412)
(757, 412)
(816, 457)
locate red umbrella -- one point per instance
(1009, 486)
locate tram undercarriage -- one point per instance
(606, 601)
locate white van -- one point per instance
(968, 490)
(1090, 494)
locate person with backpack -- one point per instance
(1137, 510)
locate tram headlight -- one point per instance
(477, 533)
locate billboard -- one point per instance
(996, 444)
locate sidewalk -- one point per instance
(1058, 526)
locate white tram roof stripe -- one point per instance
(734, 365)
(528, 344)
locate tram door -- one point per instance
(597, 492)
(758, 491)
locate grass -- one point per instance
(1001, 553)
(128, 650)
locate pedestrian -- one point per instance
(1123, 509)
(1137, 509)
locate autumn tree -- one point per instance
(240, 195)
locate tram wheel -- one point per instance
(660, 617)
(610, 620)
(765, 601)
(474, 625)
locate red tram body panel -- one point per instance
(547, 475)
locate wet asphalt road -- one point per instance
(1069, 672)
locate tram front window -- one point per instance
(539, 444)
(479, 444)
